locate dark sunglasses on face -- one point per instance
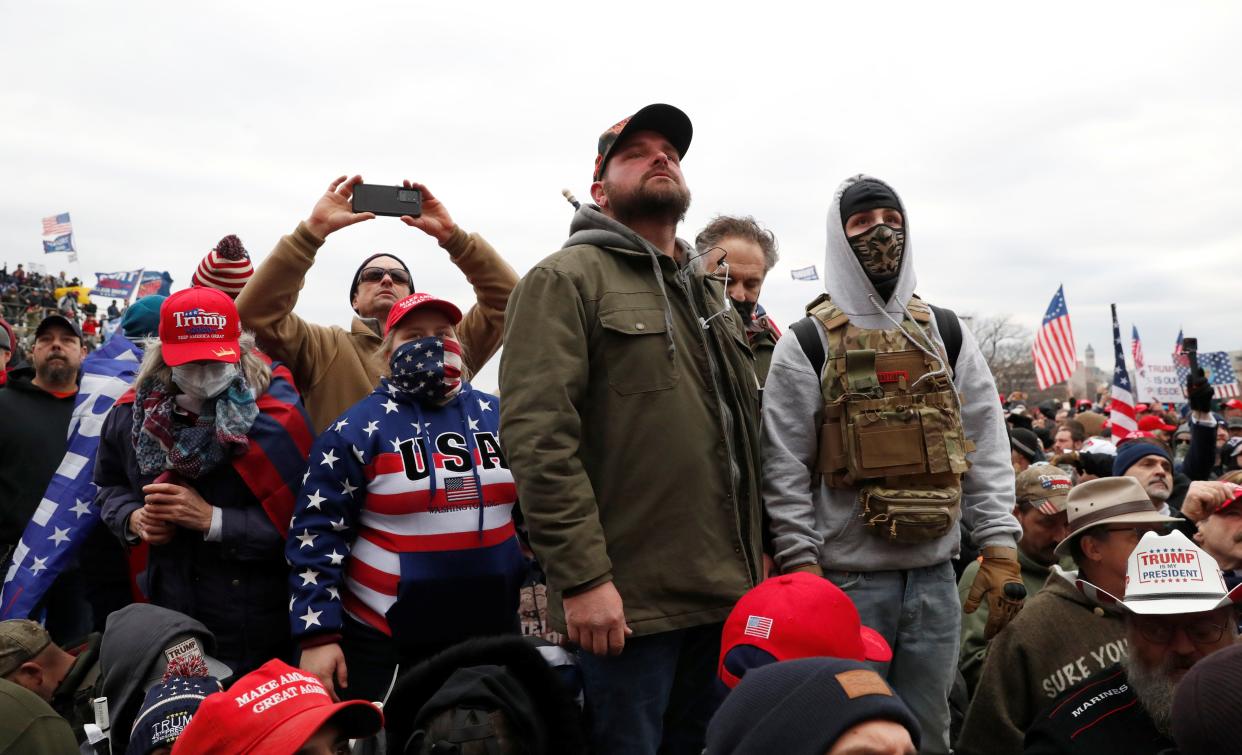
(376, 274)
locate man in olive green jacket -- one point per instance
(332, 367)
(629, 415)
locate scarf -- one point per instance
(218, 433)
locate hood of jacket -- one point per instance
(846, 281)
(1063, 583)
(592, 227)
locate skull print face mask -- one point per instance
(879, 249)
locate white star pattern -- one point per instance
(305, 477)
(336, 594)
(291, 603)
(358, 454)
(473, 423)
(329, 458)
(396, 445)
(417, 427)
(59, 535)
(339, 526)
(348, 489)
(335, 558)
(309, 577)
(341, 424)
(392, 390)
(314, 499)
(39, 565)
(484, 406)
(389, 407)
(371, 427)
(80, 508)
(308, 540)
(311, 618)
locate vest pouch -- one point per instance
(909, 516)
(943, 437)
(833, 462)
(885, 438)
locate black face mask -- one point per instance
(746, 309)
(880, 250)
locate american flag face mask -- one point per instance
(428, 369)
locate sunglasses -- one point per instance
(376, 274)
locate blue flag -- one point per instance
(67, 513)
(117, 285)
(59, 244)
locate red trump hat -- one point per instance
(199, 324)
(421, 301)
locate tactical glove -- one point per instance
(1199, 391)
(1000, 581)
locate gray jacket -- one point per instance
(811, 522)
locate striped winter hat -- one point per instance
(227, 267)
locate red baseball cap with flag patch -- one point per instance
(799, 615)
(421, 301)
(199, 324)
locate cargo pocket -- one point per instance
(946, 449)
(885, 440)
(636, 354)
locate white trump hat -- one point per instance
(1169, 574)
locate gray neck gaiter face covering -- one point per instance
(879, 250)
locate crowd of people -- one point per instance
(675, 528)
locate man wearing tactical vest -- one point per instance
(880, 429)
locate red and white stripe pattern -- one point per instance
(404, 516)
(1121, 412)
(227, 275)
(1054, 351)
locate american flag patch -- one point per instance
(461, 489)
(758, 626)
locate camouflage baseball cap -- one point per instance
(667, 120)
(1045, 487)
(20, 640)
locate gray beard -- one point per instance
(1154, 689)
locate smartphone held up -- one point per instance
(391, 201)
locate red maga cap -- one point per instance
(421, 301)
(799, 615)
(272, 710)
(199, 324)
(1153, 422)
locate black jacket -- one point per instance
(237, 587)
(1101, 714)
(32, 443)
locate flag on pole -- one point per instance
(1054, 350)
(1177, 347)
(1121, 409)
(804, 274)
(66, 515)
(57, 234)
(1136, 347)
(117, 285)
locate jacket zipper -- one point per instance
(726, 417)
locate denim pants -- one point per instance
(919, 613)
(656, 696)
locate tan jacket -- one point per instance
(335, 368)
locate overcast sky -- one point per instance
(1095, 145)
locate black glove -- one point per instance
(1199, 391)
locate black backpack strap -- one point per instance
(950, 331)
(807, 331)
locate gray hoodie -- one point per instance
(812, 522)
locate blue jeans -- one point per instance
(656, 696)
(918, 612)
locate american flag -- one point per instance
(57, 225)
(1219, 369)
(758, 626)
(1054, 350)
(1121, 410)
(461, 489)
(1177, 347)
(1136, 347)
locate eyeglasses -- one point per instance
(1202, 632)
(376, 274)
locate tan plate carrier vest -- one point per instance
(897, 438)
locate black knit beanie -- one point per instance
(353, 287)
(868, 194)
(802, 707)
